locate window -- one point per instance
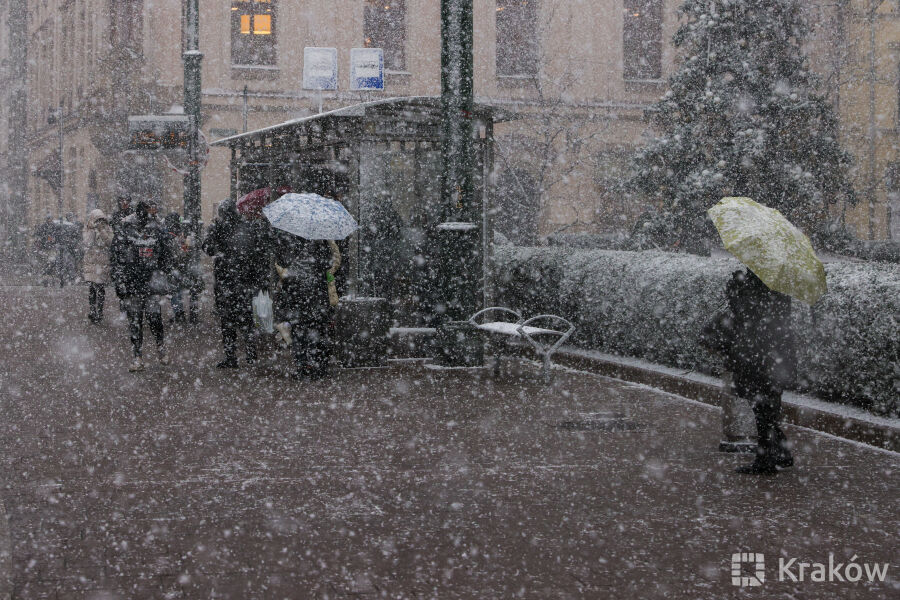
(642, 39)
(253, 30)
(127, 24)
(384, 26)
(517, 39)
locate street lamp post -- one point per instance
(458, 236)
(192, 104)
(57, 117)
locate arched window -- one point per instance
(642, 39)
(253, 33)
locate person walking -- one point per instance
(141, 254)
(96, 240)
(240, 248)
(117, 222)
(45, 246)
(760, 351)
(303, 301)
(185, 279)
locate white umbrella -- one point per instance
(311, 216)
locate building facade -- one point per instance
(580, 74)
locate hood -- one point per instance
(94, 216)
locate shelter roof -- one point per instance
(372, 109)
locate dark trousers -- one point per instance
(96, 299)
(310, 343)
(770, 437)
(178, 304)
(137, 307)
(236, 318)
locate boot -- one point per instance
(230, 362)
(783, 456)
(760, 466)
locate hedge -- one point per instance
(651, 305)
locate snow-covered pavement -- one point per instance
(186, 482)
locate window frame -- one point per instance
(524, 67)
(259, 50)
(633, 51)
(391, 50)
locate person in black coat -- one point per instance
(140, 259)
(241, 268)
(760, 351)
(116, 221)
(303, 300)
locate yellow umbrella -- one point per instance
(779, 253)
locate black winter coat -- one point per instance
(759, 348)
(139, 250)
(241, 266)
(304, 289)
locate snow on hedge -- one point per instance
(651, 305)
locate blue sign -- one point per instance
(366, 69)
(320, 68)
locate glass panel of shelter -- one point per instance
(392, 187)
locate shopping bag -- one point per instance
(263, 316)
(160, 284)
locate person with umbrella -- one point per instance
(758, 341)
(306, 256)
(241, 268)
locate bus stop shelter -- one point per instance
(382, 160)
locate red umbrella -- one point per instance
(252, 203)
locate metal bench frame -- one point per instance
(525, 330)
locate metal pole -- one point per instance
(192, 58)
(246, 109)
(458, 236)
(62, 163)
(873, 185)
(17, 123)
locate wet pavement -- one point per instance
(404, 482)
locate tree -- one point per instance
(743, 116)
(549, 149)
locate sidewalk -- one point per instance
(5, 556)
(404, 482)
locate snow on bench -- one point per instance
(522, 329)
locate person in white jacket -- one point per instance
(96, 238)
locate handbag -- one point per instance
(263, 317)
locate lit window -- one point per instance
(642, 39)
(253, 27)
(384, 26)
(517, 37)
(262, 24)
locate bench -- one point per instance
(544, 340)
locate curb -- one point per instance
(5, 556)
(844, 426)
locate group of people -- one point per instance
(248, 256)
(148, 259)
